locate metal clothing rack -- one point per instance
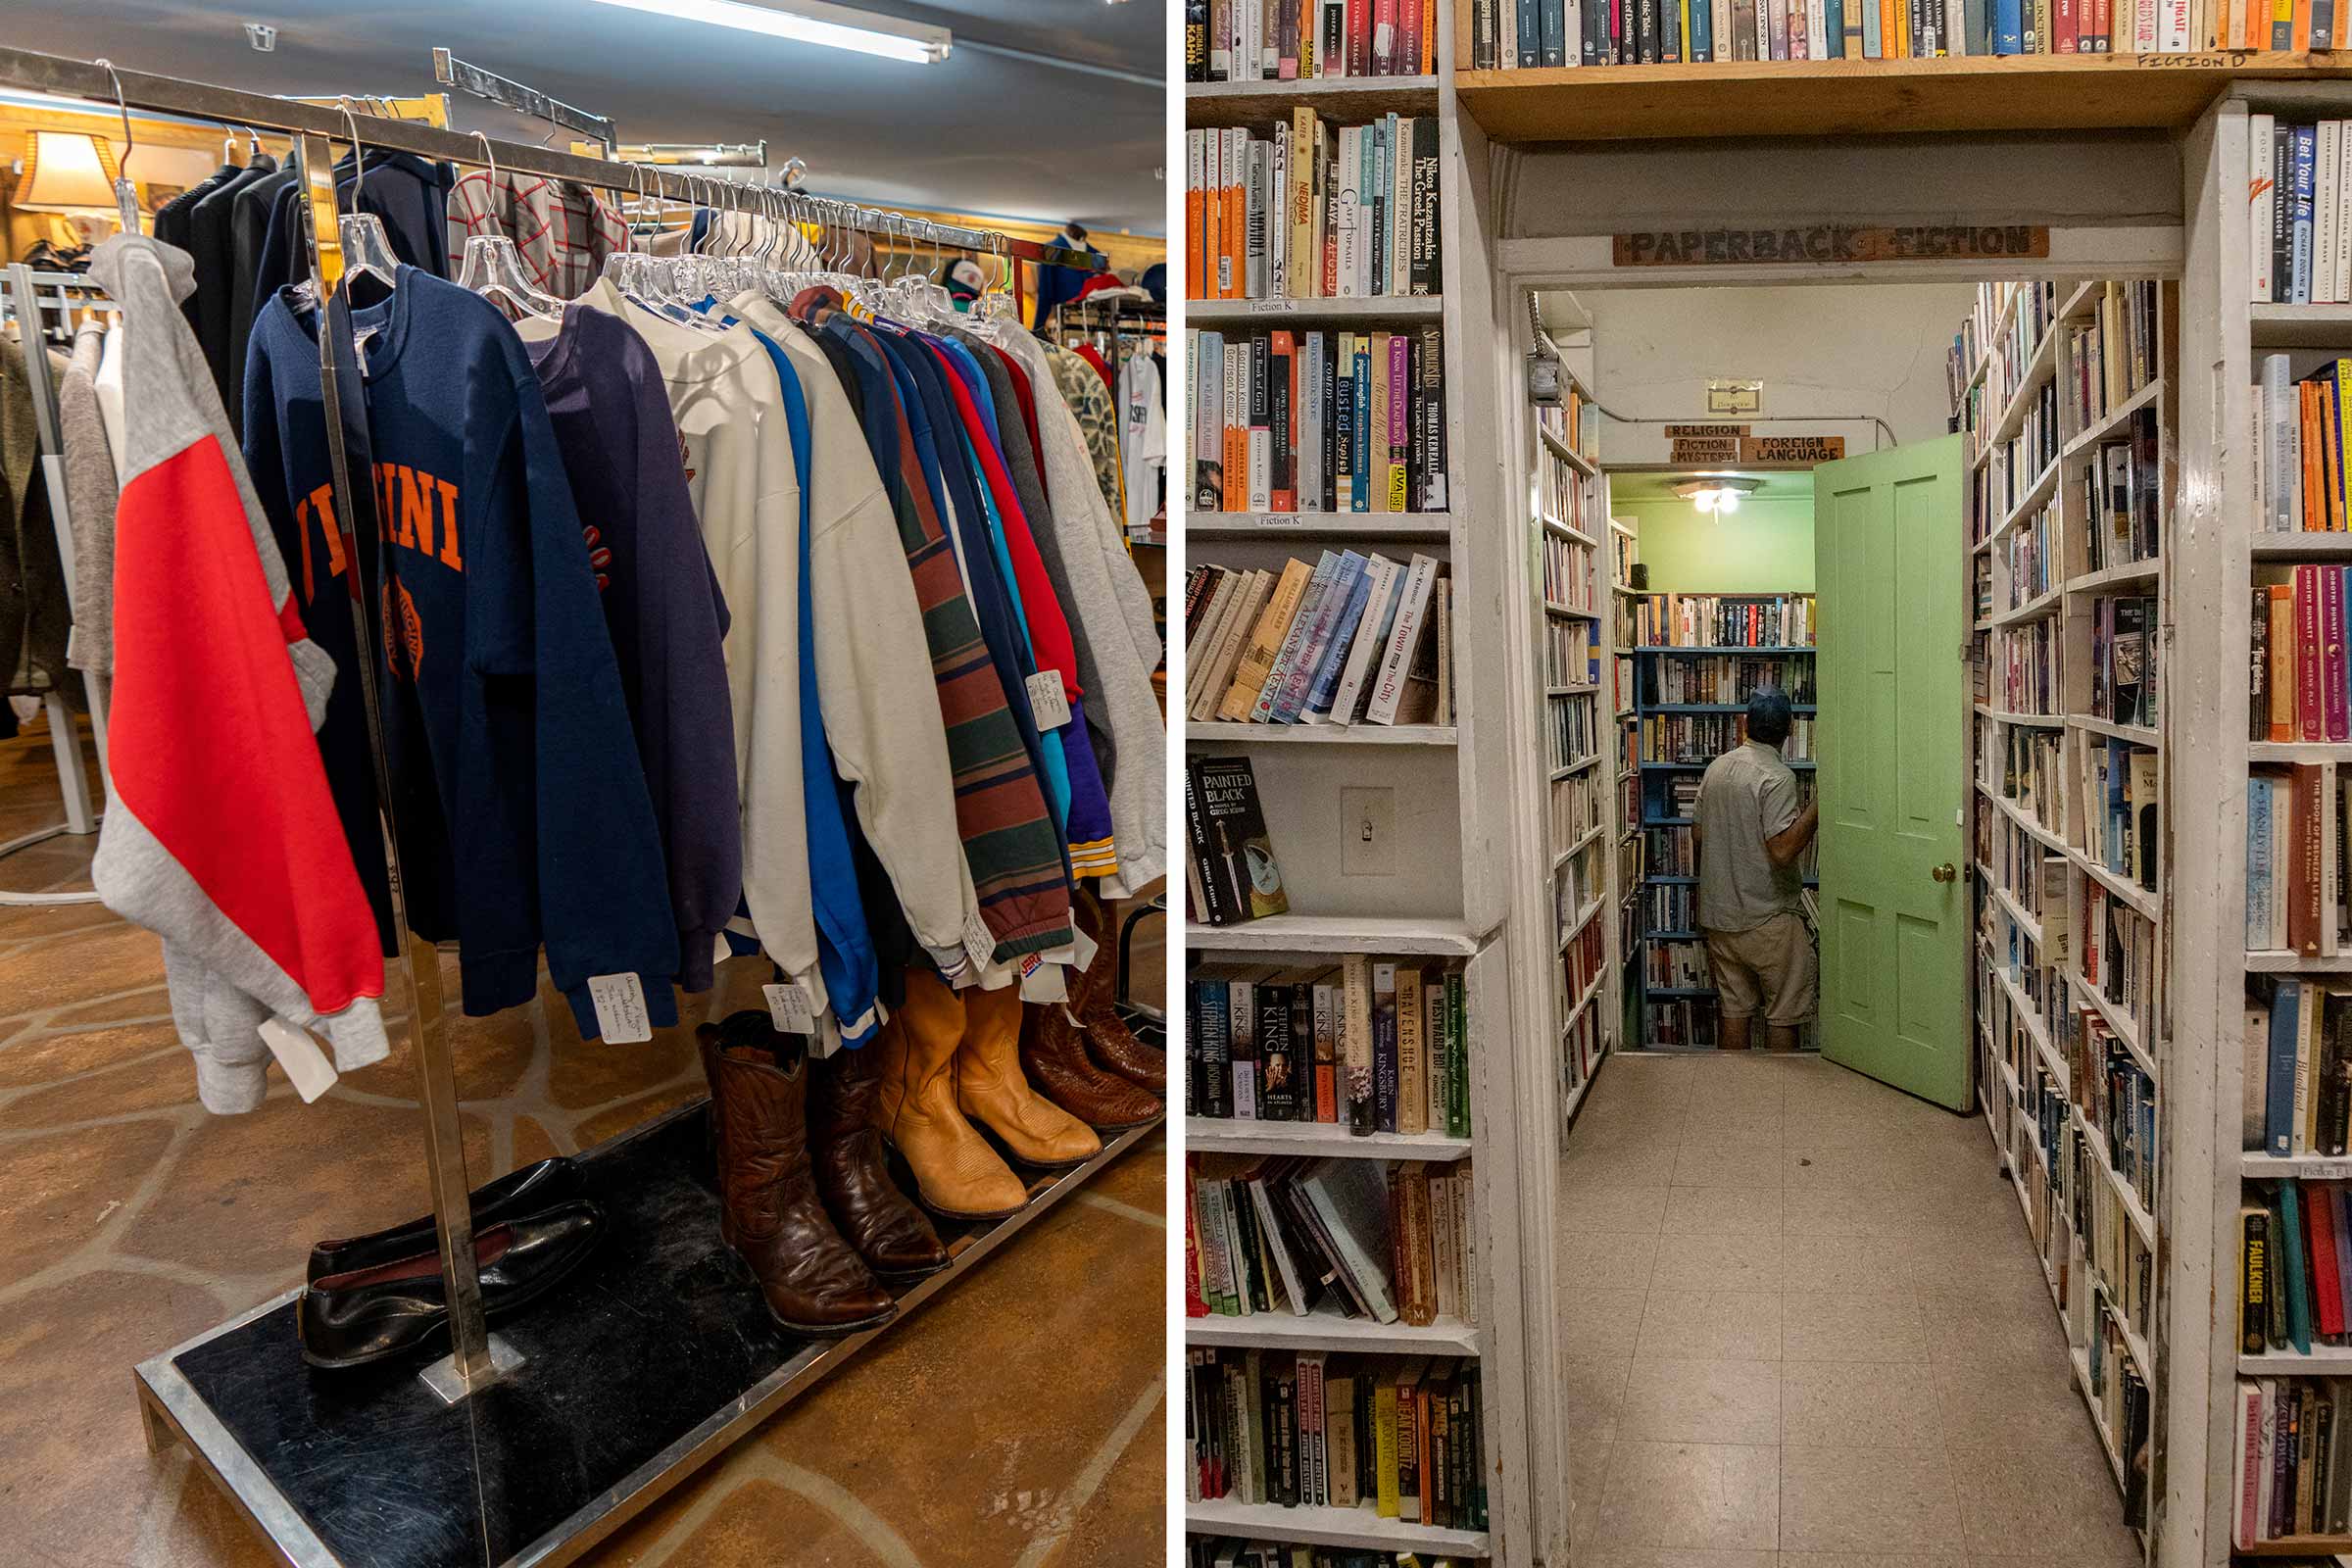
(224, 1393)
(24, 302)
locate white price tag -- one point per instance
(306, 1066)
(979, 941)
(1042, 981)
(1046, 700)
(619, 1000)
(791, 1008)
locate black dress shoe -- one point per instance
(389, 1308)
(518, 1192)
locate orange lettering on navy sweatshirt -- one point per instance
(317, 511)
(408, 503)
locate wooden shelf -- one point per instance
(2137, 734)
(1378, 308)
(2297, 545)
(1329, 1331)
(1225, 732)
(2002, 716)
(2280, 962)
(2111, 424)
(2048, 604)
(2038, 368)
(1318, 525)
(1554, 525)
(1570, 611)
(1321, 1140)
(1355, 1528)
(1715, 648)
(1349, 100)
(2299, 751)
(2302, 327)
(1567, 453)
(2335, 1359)
(1584, 918)
(2116, 576)
(2038, 494)
(1814, 98)
(2310, 1167)
(1382, 934)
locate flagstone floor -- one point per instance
(1017, 1420)
(1802, 1326)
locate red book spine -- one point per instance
(1195, 1304)
(2319, 1220)
(2065, 31)
(2308, 709)
(2331, 651)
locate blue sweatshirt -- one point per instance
(521, 806)
(619, 442)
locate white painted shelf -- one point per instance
(1321, 1140)
(1225, 732)
(2302, 327)
(1398, 936)
(1379, 308)
(1355, 1528)
(1329, 1331)
(1431, 525)
(2298, 545)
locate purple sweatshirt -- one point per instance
(663, 604)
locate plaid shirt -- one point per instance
(562, 231)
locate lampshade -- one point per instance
(66, 172)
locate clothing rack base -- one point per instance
(640, 1369)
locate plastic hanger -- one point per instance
(367, 248)
(494, 268)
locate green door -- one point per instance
(1890, 551)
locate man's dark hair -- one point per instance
(1768, 717)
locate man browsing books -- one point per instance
(1749, 834)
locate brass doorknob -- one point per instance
(1946, 872)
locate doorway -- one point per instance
(1800, 1309)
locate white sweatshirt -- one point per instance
(874, 661)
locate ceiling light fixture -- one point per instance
(868, 32)
(1717, 493)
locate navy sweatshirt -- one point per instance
(663, 604)
(521, 806)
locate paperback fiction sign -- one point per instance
(1818, 243)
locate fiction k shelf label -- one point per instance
(1816, 243)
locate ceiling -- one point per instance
(979, 133)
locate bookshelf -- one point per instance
(1429, 891)
(2068, 943)
(1567, 505)
(2212, 969)
(1670, 1012)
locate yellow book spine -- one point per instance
(1384, 1447)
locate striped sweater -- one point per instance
(1009, 836)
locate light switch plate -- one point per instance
(1368, 832)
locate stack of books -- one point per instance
(1346, 1238)
(1317, 421)
(1347, 638)
(1374, 1045)
(1308, 41)
(1398, 1438)
(1315, 211)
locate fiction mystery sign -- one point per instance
(1830, 243)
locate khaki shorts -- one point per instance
(1770, 970)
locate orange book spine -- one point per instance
(1237, 255)
(2300, 37)
(2315, 496)
(1195, 211)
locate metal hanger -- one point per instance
(494, 268)
(126, 193)
(367, 248)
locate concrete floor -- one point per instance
(1015, 1421)
(1803, 1326)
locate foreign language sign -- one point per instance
(1792, 449)
(1816, 243)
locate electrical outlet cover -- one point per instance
(1368, 832)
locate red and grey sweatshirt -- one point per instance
(219, 835)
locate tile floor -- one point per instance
(1802, 1327)
(129, 1220)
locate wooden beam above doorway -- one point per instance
(1753, 98)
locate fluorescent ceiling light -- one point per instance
(867, 33)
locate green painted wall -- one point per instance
(1765, 547)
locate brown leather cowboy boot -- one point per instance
(769, 1211)
(955, 1172)
(1108, 1040)
(990, 1088)
(1053, 1056)
(884, 1225)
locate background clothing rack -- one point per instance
(25, 303)
(472, 1480)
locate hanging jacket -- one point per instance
(220, 832)
(91, 490)
(1089, 399)
(1113, 610)
(521, 804)
(663, 606)
(1013, 862)
(845, 952)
